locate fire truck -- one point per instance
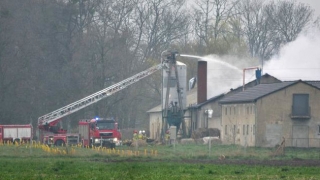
(100, 132)
(16, 133)
(95, 132)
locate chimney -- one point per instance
(202, 81)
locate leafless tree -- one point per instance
(288, 18)
(212, 19)
(268, 26)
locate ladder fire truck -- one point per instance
(98, 132)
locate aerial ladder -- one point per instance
(49, 121)
(172, 113)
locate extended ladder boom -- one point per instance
(54, 116)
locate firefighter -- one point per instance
(140, 136)
(135, 135)
(144, 135)
(167, 137)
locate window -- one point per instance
(247, 129)
(244, 129)
(104, 125)
(226, 111)
(248, 110)
(194, 125)
(226, 130)
(318, 129)
(254, 129)
(300, 106)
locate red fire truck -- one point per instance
(16, 133)
(100, 132)
(92, 132)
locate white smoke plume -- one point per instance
(225, 73)
(299, 59)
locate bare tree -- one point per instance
(288, 18)
(212, 19)
(253, 21)
(202, 15)
(268, 26)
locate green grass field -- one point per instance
(155, 162)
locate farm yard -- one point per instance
(37, 161)
(171, 70)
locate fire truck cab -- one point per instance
(100, 132)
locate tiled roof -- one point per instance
(215, 98)
(255, 92)
(314, 83)
(155, 109)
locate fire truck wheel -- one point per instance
(59, 142)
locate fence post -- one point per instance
(209, 146)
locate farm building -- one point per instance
(155, 122)
(207, 114)
(200, 112)
(264, 114)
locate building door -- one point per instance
(273, 134)
(300, 136)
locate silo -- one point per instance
(173, 93)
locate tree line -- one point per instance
(54, 52)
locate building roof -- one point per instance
(256, 92)
(253, 82)
(261, 90)
(314, 83)
(155, 109)
(249, 84)
(215, 98)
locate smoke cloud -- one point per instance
(225, 73)
(299, 59)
